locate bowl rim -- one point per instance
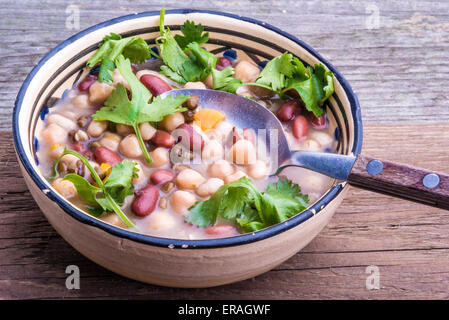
(182, 243)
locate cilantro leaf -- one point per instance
(135, 49)
(315, 90)
(119, 109)
(191, 64)
(104, 196)
(253, 210)
(223, 80)
(191, 33)
(276, 71)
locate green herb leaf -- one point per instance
(85, 190)
(135, 49)
(191, 33)
(224, 80)
(119, 109)
(276, 71)
(241, 202)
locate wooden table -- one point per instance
(397, 67)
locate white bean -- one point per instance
(130, 147)
(224, 128)
(147, 131)
(62, 121)
(323, 138)
(212, 150)
(111, 141)
(243, 152)
(81, 101)
(221, 169)
(114, 219)
(181, 201)
(99, 92)
(123, 129)
(161, 220)
(258, 170)
(311, 145)
(189, 179)
(195, 85)
(96, 128)
(246, 71)
(160, 157)
(209, 187)
(53, 133)
(234, 177)
(65, 188)
(172, 121)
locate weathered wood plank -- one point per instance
(399, 70)
(408, 242)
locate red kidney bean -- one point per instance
(134, 69)
(145, 201)
(161, 176)
(163, 139)
(84, 85)
(193, 140)
(88, 155)
(317, 122)
(246, 134)
(288, 110)
(104, 155)
(78, 147)
(300, 127)
(223, 63)
(220, 230)
(155, 84)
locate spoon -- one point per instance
(394, 179)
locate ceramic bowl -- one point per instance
(171, 262)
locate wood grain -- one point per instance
(408, 242)
(398, 68)
(400, 180)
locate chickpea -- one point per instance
(243, 152)
(246, 71)
(209, 81)
(314, 182)
(311, 145)
(62, 121)
(53, 133)
(172, 121)
(65, 188)
(181, 201)
(140, 174)
(195, 85)
(258, 170)
(244, 91)
(160, 157)
(221, 169)
(212, 150)
(234, 177)
(161, 220)
(111, 141)
(114, 219)
(118, 78)
(147, 131)
(96, 128)
(123, 129)
(130, 147)
(81, 101)
(99, 92)
(209, 187)
(189, 179)
(70, 161)
(224, 128)
(56, 151)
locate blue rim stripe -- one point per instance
(177, 243)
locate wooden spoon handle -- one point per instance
(401, 180)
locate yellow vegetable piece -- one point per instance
(104, 167)
(56, 145)
(208, 118)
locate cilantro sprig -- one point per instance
(185, 61)
(191, 33)
(286, 72)
(119, 109)
(224, 80)
(105, 196)
(252, 210)
(135, 49)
